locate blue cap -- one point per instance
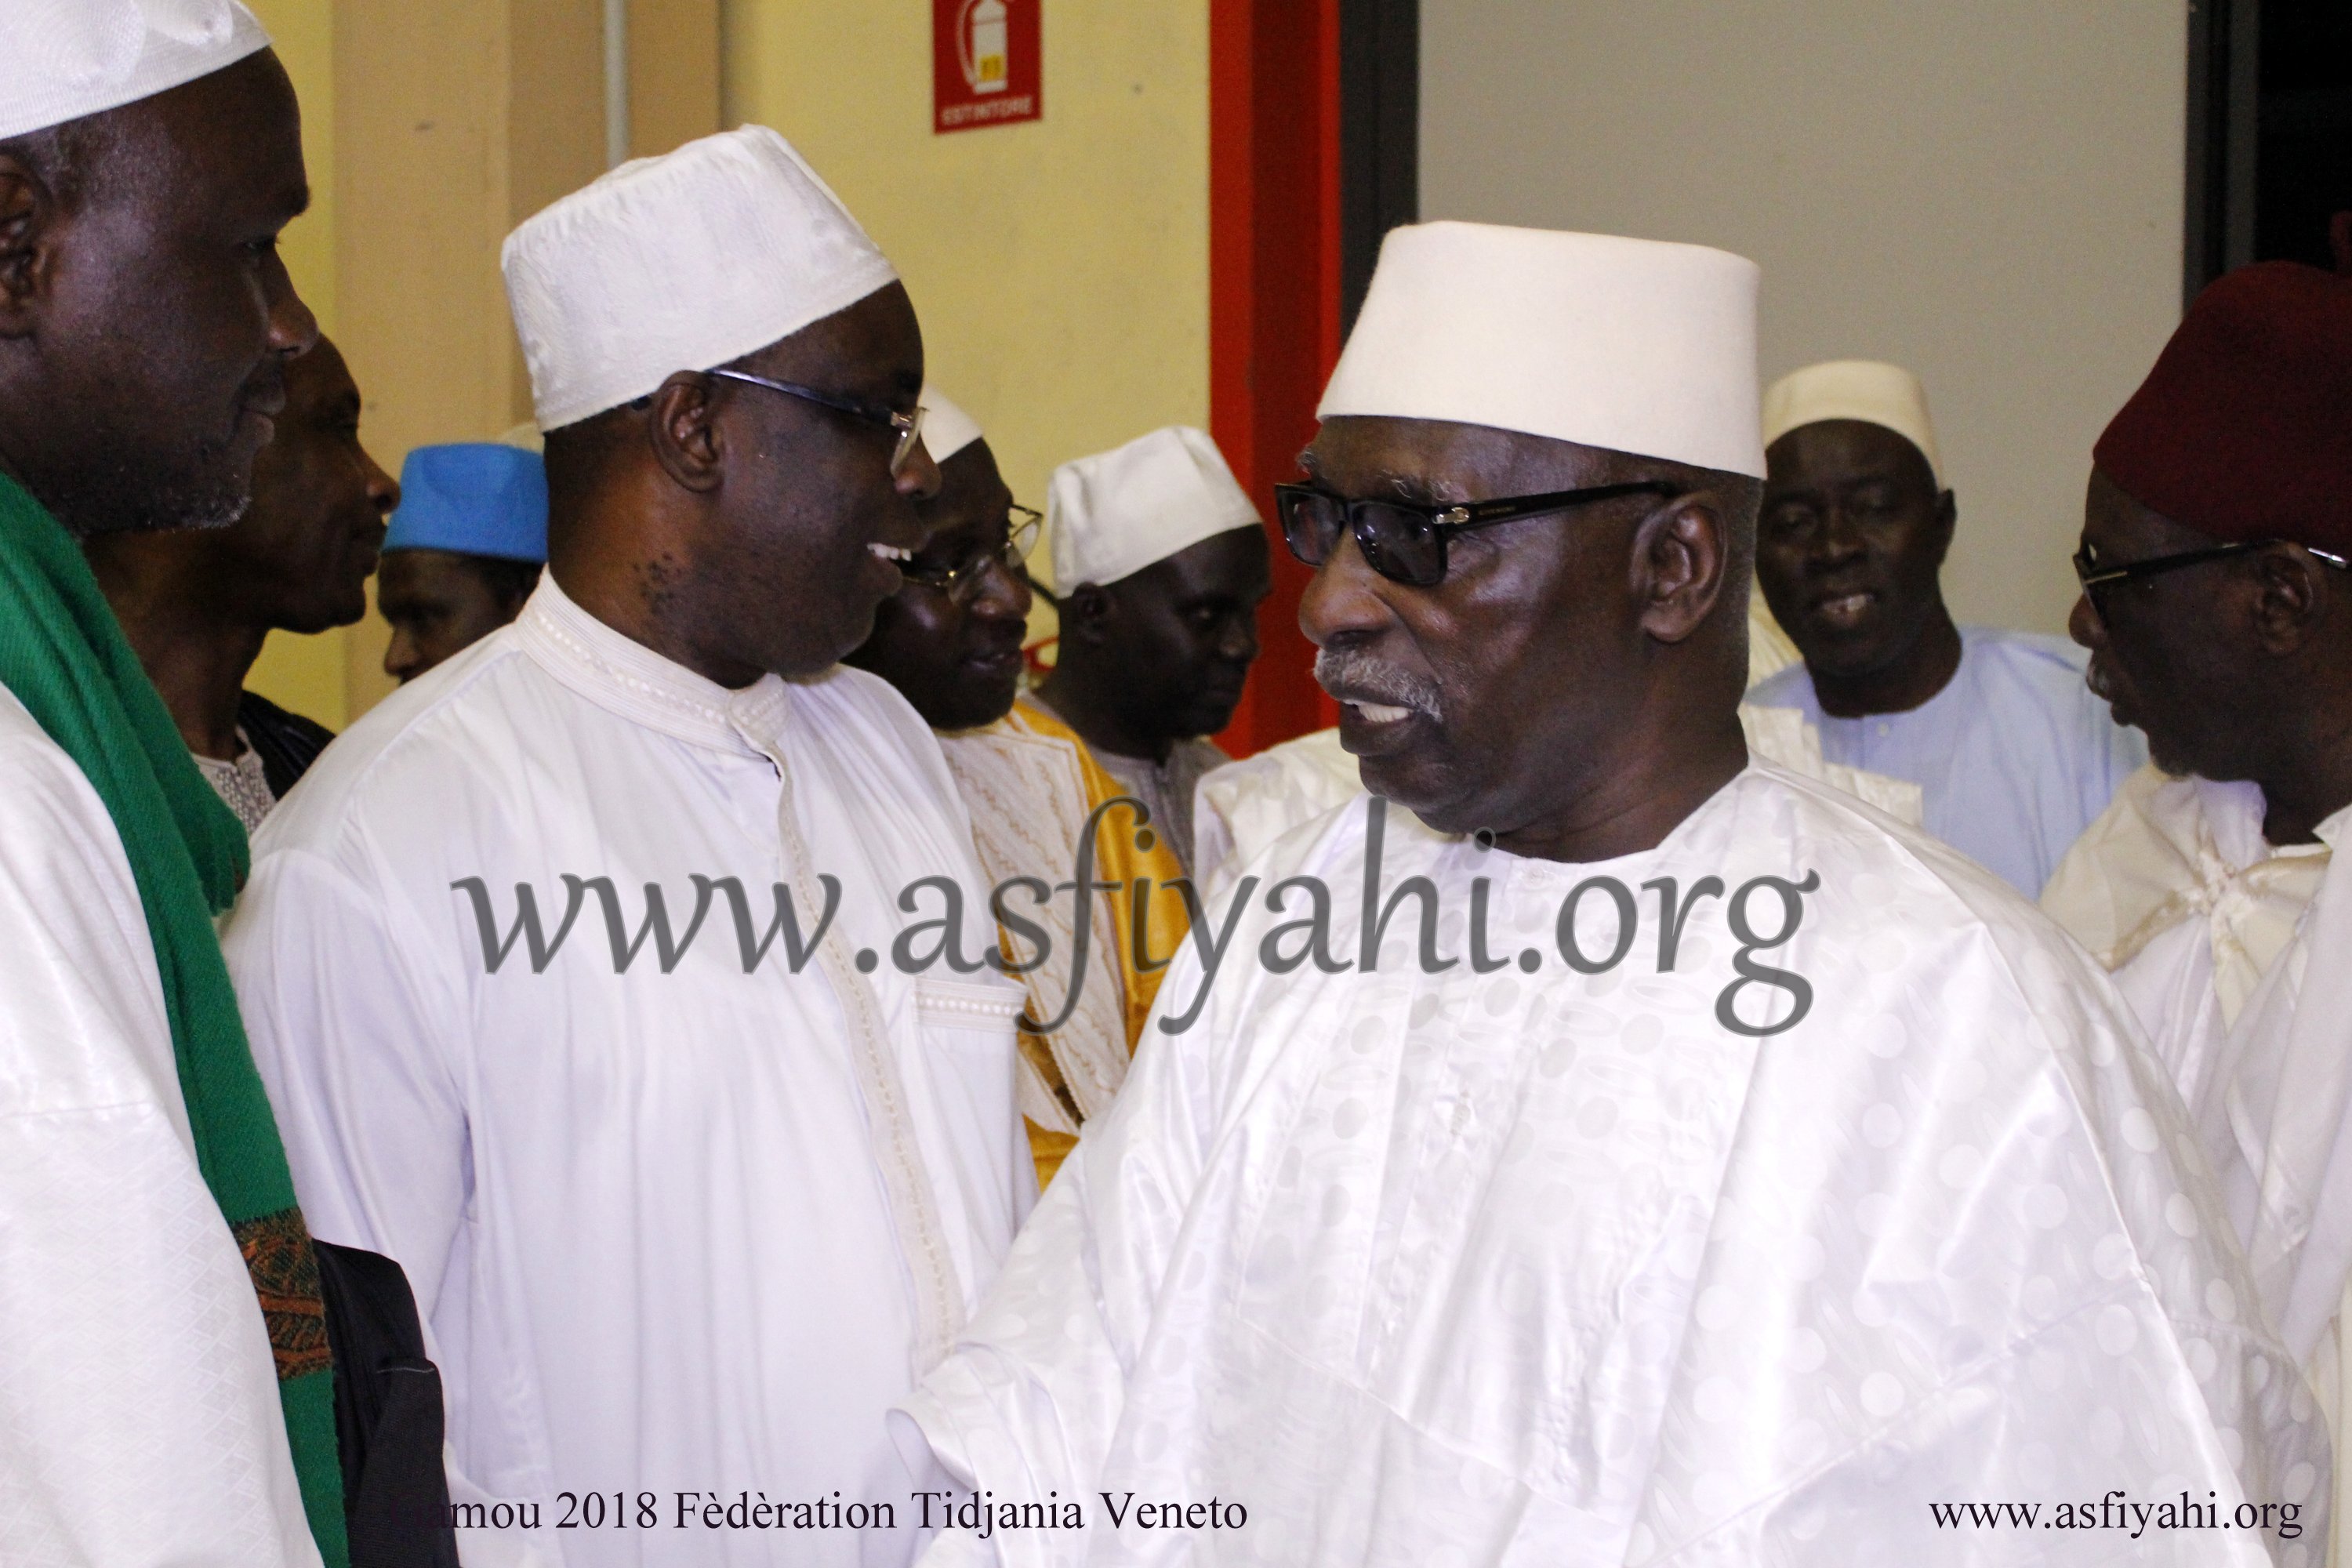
(476, 498)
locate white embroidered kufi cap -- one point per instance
(1635, 345)
(947, 429)
(682, 262)
(63, 60)
(1862, 389)
(1111, 515)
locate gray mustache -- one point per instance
(1350, 675)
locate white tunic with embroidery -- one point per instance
(692, 1230)
(1559, 1269)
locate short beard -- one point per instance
(128, 498)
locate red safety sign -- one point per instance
(987, 63)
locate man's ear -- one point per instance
(1085, 615)
(2290, 597)
(1682, 553)
(27, 218)
(682, 427)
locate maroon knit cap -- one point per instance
(2244, 430)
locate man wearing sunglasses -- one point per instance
(950, 641)
(1730, 1175)
(2013, 757)
(1160, 565)
(2217, 604)
(576, 970)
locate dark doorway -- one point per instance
(2270, 133)
(1380, 135)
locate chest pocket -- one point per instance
(980, 1008)
(966, 1026)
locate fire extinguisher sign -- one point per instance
(987, 64)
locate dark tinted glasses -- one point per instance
(1405, 543)
(2095, 574)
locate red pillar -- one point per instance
(1274, 299)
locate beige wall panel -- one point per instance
(674, 73)
(1989, 192)
(1060, 266)
(556, 136)
(420, 115)
(454, 118)
(421, 141)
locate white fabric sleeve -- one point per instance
(139, 1422)
(1028, 1404)
(358, 1052)
(353, 1052)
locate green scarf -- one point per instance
(68, 663)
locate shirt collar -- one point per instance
(624, 677)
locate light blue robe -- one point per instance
(2015, 757)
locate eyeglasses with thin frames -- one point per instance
(2094, 576)
(907, 426)
(960, 582)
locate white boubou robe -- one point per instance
(2237, 956)
(1559, 1269)
(683, 1230)
(139, 1423)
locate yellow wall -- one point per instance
(306, 674)
(1060, 266)
(455, 120)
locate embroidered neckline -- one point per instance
(630, 679)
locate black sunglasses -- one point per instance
(1405, 543)
(2094, 576)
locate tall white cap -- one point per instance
(947, 429)
(1635, 345)
(681, 262)
(1860, 389)
(1111, 515)
(62, 59)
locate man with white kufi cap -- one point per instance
(950, 641)
(1159, 565)
(577, 966)
(167, 1395)
(2013, 753)
(1709, 1171)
